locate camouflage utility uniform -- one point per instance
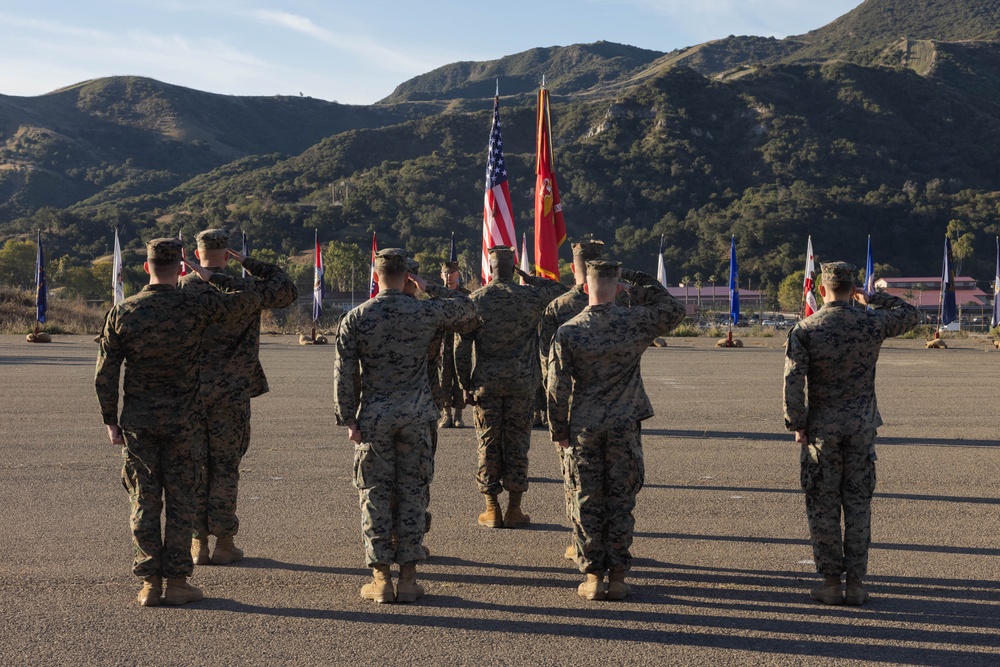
(157, 334)
(829, 393)
(387, 337)
(505, 375)
(231, 374)
(596, 400)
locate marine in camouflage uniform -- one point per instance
(502, 383)
(830, 403)
(596, 401)
(231, 375)
(391, 425)
(157, 335)
(450, 391)
(561, 310)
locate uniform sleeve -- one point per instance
(559, 386)
(664, 311)
(796, 370)
(346, 373)
(896, 314)
(463, 359)
(546, 330)
(110, 356)
(276, 288)
(546, 289)
(243, 301)
(459, 315)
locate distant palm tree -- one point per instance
(687, 283)
(712, 279)
(697, 286)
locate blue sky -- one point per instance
(350, 52)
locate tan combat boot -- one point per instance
(407, 589)
(380, 588)
(152, 589)
(856, 593)
(226, 552)
(592, 588)
(617, 588)
(829, 592)
(570, 553)
(515, 518)
(445, 421)
(493, 516)
(179, 592)
(458, 418)
(199, 551)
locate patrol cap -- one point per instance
(412, 266)
(164, 251)
(839, 273)
(449, 267)
(601, 268)
(502, 252)
(213, 239)
(588, 250)
(392, 260)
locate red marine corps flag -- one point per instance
(498, 217)
(807, 285)
(373, 277)
(550, 229)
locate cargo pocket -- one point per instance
(362, 466)
(811, 473)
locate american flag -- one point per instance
(498, 219)
(319, 288)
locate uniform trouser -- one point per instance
(503, 426)
(163, 467)
(603, 473)
(392, 469)
(228, 429)
(839, 472)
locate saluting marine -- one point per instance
(157, 334)
(391, 424)
(596, 401)
(502, 384)
(830, 404)
(231, 374)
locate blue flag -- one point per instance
(949, 311)
(734, 285)
(41, 291)
(869, 270)
(453, 257)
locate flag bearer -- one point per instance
(503, 382)
(391, 428)
(157, 334)
(231, 374)
(596, 402)
(451, 391)
(830, 404)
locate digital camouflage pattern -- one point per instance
(505, 376)
(596, 400)
(829, 393)
(387, 338)
(231, 373)
(839, 471)
(157, 335)
(448, 387)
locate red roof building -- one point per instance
(925, 293)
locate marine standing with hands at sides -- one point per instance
(388, 337)
(231, 374)
(830, 404)
(502, 385)
(450, 389)
(157, 335)
(596, 401)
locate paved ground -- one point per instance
(722, 567)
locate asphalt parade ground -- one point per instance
(722, 558)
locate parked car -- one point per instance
(767, 323)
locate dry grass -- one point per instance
(64, 316)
